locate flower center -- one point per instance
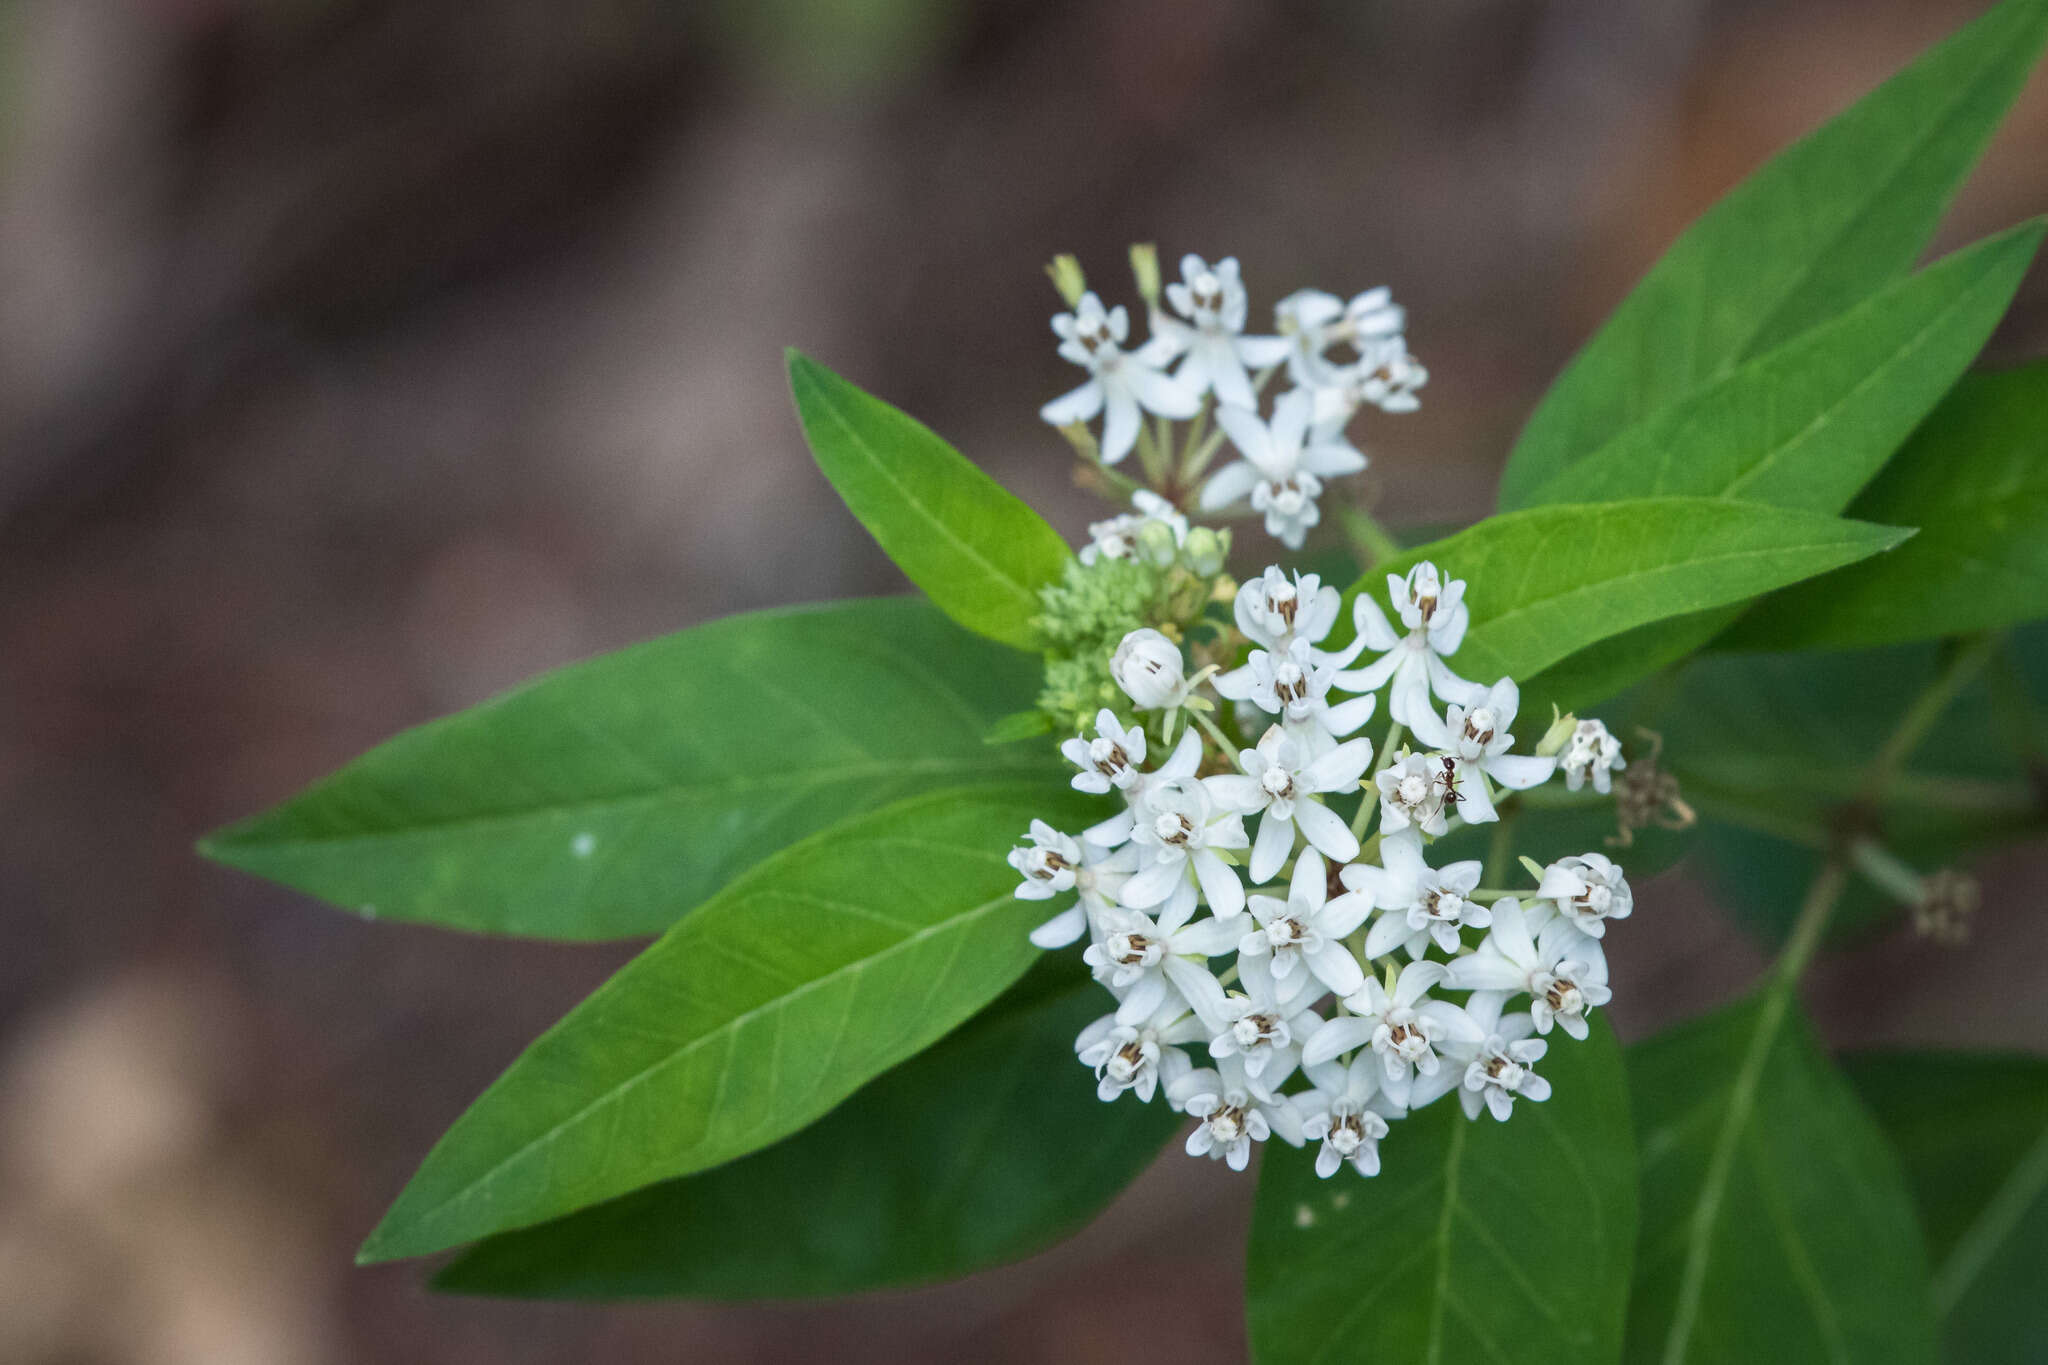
(1226, 1121)
(1414, 789)
(1254, 1029)
(1127, 1061)
(1108, 757)
(1347, 1129)
(1479, 725)
(1563, 996)
(1443, 905)
(1173, 828)
(1286, 932)
(1504, 1071)
(1135, 950)
(1278, 782)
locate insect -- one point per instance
(1449, 780)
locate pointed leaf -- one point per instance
(978, 552)
(1974, 479)
(1775, 1224)
(1822, 224)
(1972, 1130)
(821, 968)
(597, 802)
(986, 1148)
(1477, 1241)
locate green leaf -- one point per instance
(1822, 224)
(1974, 479)
(821, 968)
(1478, 1241)
(978, 552)
(600, 801)
(1807, 424)
(984, 1149)
(1551, 580)
(1775, 1224)
(1972, 1130)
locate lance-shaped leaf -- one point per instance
(599, 801)
(1477, 1241)
(1974, 479)
(1822, 224)
(1972, 1131)
(813, 973)
(987, 1147)
(977, 551)
(1775, 1223)
(1549, 581)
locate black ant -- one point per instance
(1449, 778)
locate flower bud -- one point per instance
(1206, 549)
(1558, 735)
(1157, 544)
(1066, 276)
(1145, 270)
(1147, 666)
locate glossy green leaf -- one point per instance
(1972, 1131)
(978, 552)
(1807, 424)
(1821, 225)
(1974, 479)
(1478, 1241)
(987, 1147)
(1551, 580)
(811, 974)
(1775, 1223)
(596, 802)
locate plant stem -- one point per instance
(1368, 807)
(1812, 922)
(1926, 709)
(1209, 728)
(1372, 540)
(1500, 849)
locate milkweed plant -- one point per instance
(1250, 829)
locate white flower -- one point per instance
(1405, 1028)
(1178, 832)
(1307, 930)
(1048, 867)
(1147, 666)
(1213, 300)
(1563, 971)
(1120, 381)
(1591, 753)
(1295, 685)
(1182, 763)
(1436, 617)
(1314, 321)
(1274, 610)
(1097, 881)
(1125, 536)
(1266, 1032)
(1139, 1057)
(1477, 737)
(1501, 1069)
(1347, 1112)
(1412, 793)
(1282, 779)
(1112, 759)
(1145, 961)
(1589, 889)
(1283, 467)
(1231, 1115)
(1421, 903)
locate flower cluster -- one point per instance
(1286, 954)
(1198, 362)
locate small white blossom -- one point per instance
(1178, 833)
(1213, 302)
(1139, 1057)
(1563, 972)
(1436, 617)
(1112, 760)
(1230, 1114)
(1385, 377)
(1591, 754)
(1097, 881)
(1589, 889)
(1282, 779)
(1405, 1028)
(1274, 610)
(1283, 468)
(1477, 738)
(1306, 932)
(1295, 686)
(1147, 666)
(1146, 961)
(1048, 865)
(1125, 536)
(1347, 1112)
(1500, 1072)
(1421, 903)
(1313, 322)
(1120, 381)
(1412, 794)
(1180, 765)
(1266, 1032)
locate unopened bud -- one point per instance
(1145, 270)
(1206, 549)
(1156, 544)
(1558, 735)
(1066, 276)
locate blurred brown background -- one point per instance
(359, 358)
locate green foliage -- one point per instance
(821, 968)
(1974, 479)
(1775, 1224)
(1972, 1130)
(603, 800)
(983, 1149)
(1821, 225)
(1556, 579)
(978, 552)
(1477, 1241)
